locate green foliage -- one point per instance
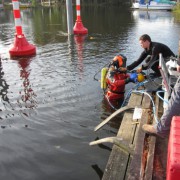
(34, 3)
(177, 8)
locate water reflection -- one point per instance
(28, 97)
(49, 25)
(152, 15)
(3, 88)
(98, 170)
(79, 41)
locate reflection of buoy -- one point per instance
(140, 77)
(79, 39)
(103, 78)
(20, 47)
(78, 27)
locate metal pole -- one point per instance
(69, 16)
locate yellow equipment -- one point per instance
(103, 78)
(140, 77)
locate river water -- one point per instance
(50, 103)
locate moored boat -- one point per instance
(21, 5)
(154, 5)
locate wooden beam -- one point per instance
(136, 167)
(119, 159)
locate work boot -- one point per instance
(149, 129)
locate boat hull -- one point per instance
(160, 6)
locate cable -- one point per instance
(142, 92)
(99, 71)
(126, 97)
(154, 108)
(157, 93)
(110, 103)
(130, 91)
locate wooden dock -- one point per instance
(148, 161)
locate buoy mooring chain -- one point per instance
(117, 141)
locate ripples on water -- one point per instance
(50, 103)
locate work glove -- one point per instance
(133, 77)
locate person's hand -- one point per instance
(178, 68)
(123, 69)
(139, 70)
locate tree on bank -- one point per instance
(84, 2)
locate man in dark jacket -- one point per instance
(150, 55)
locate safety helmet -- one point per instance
(117, 61)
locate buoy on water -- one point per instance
(78, 27)
(20, 47)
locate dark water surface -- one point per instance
(50, 103)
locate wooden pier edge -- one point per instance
(139, 165)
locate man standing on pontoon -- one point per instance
(150, 55)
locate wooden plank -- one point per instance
(116, 167)
(127, 129)
(152, 142)
(150, 158)
(135, 99)
(119, 159)
(136, 166)
(136, 169)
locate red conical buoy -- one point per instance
(78, 27)
(20, 47)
